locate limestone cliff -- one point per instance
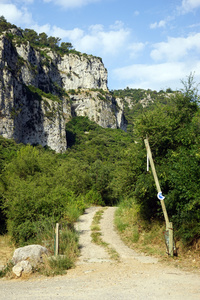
(100, 106)
(40, 90)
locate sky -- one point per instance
(143, 44)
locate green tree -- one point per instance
(65, 47)
(53, 42)
(4, 25)
(3, 19)
(43, 38)
(31, 35)
(173, 131)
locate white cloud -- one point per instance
(136, 48)
(185, 7)
(107, 42)
(158, 76)
(96, 39)
(15, 15)
(73, 35)
(44, 28)
(95, 29)
(117, 25)
(71, 3)
(155, 25)
(194, 25)
(175, 49)
(188, 6)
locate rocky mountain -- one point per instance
(41, 90)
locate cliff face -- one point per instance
(101, 108)
(41, 90)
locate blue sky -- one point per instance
(144, 44)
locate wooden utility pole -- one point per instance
(169, 225)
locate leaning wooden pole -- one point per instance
(156, 181)
(169, 227)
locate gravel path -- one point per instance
(110, 236)
(97, 277)
(90, 252)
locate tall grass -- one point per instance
(68, 245)
(137, 233)
(68, 252)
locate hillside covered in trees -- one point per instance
(105, 167)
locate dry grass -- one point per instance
(188, 257)
(6, 250)
(149, 239)
(68, 248)
(6, 253)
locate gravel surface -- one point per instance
(97, 277)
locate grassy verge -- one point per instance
(149, 238)
(96, 236)
(52, 265)
(68, 253)
(6, 249)
(6, 252)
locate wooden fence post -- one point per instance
(57, 239)
(171, 239)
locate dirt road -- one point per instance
(97, 277)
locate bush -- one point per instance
(35, 198)
(173, 131)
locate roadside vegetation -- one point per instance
(149, 238)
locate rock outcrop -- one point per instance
(100, 107)
(24, 267)
(40, 90)
(25, 258)
(32, 253)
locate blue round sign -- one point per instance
(160, 196)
